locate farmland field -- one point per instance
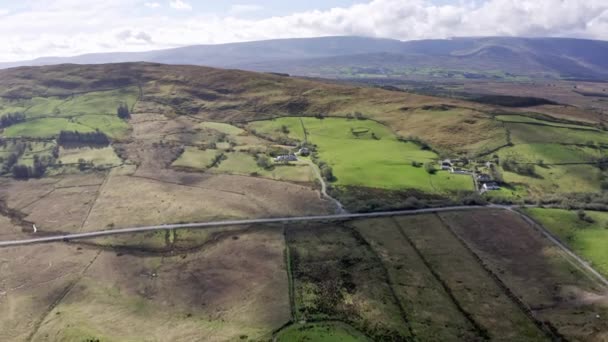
(363, 152)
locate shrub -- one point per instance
(430, 168)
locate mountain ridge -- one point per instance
(533, 57)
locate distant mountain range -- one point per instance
(348, 57)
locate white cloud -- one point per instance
(69, 27)
(152, 4)
(180, 5)
(244, 9)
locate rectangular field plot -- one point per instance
(431, 311)
(474, 289)
(336, 276)
(555, 289)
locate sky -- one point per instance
(37, 28)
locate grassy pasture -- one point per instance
(587, 239)
(50, 127)
(550, 153)
(222, 127)
(44, 128)
(530, 134)
(98, 156)
(559, 179)
(320, 332)
(242, 163)
(531, 120)
(195, 158)
(360, 159)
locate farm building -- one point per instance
(484, 177)
(446, 164)
(286, 158)
(304, 151)
(491, 186)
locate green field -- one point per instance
(222, 127)
(528, 134)
(531, 120)
(587, 239)
(559, 179)
(320, 332)
(366, 153)
(550, 153)
(195, 158)
(44, 128)
(50, 127)
(98, 156)
(241, 163)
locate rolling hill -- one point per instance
(345, 57)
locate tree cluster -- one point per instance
(11, 119)
(522, 169)
(36, 171)
(87, 138)
(123, 111)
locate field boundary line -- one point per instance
(481, 331)
(546, 327)
(63, 294)
(290, 278)
(389, 280)
(97, 194)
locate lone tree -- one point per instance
(123, 111)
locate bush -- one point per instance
(430, 168)
(123, 111)
(263, 162)
(582, 215)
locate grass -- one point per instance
(360, 159)
(44, 128)
(530, 134)
(100, 102)
(431, 312)
(559, 179)
(337, 277)
(468, 281)
(242, 163)
(550, 153)
(321, 332)
(98, 156)
(222, 127)
(50, 127)
(452, 130)
(535, 270)
(587, 239)
(196, 159)
(111, 125)
(530, 120)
